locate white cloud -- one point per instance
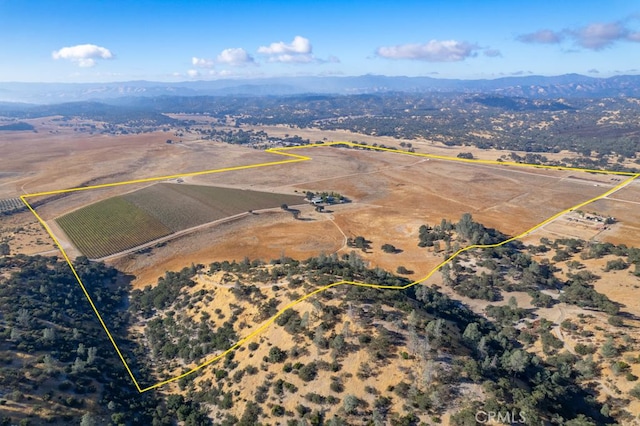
(201, 62)
(84, 55)
(492, 53)
(235, 56)
(193, 73)
(299, 51)
(594, 36)
(542, 36)
(599, 35)
(432, 51)
(521, 72)
(292, 59)
(299, 45)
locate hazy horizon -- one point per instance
(279, 77)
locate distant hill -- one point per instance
(19, 126)
(568, 85)
(114, 114)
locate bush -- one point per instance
(359, 242)
(302, 410)
(619, 367)
(635, 392)
(403, 271)
(609, 349)
(561, 255)
(308, 372)
(315, 398)
(615, 321)
(336, 386)
(277, 355)
(467, 155)
(388, 248)
(371, 390)
(583, 349)
(616, 265)
(350, 404)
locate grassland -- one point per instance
(123, 222)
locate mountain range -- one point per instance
(568, 85)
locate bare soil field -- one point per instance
(57, 157)
(624, 206)
(392, 196)
(25, 235)
(44, 161)
(267, 235)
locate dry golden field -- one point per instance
(391, 195)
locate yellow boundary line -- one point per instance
(294, 159)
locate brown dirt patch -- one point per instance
(268, 235)
(392, 194)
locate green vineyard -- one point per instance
(183, 206)
(123, 222)
(110, 226)
(11, 205)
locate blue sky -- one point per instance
(113, 40)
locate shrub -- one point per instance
(616, 265)
(467, 155)
(302, 410)
(619, 367)
(388, 248)
(277, 355)
(609, 349)
(615, 321)
(277, 410)
(308, 372)
(403, 271)
(364, 339)
(583, 349)
(315, 398)
(371, 390)
(635, 392)
(337, 386)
